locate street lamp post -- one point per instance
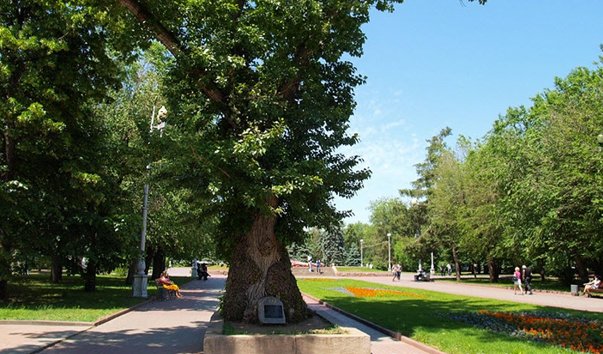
(139, 286)
(361, 260)
(389, 252)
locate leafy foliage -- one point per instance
(332, 247)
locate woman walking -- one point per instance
(517, 281)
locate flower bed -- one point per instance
(568, 332)
(372, 292)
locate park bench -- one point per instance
(595, 292)
(164, 294)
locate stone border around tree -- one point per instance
(353, 341)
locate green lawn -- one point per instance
(34, 298)
(452, 323)
(217, 268)
(505, 281)
(359, 270)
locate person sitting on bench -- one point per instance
(592, 285)
(168, 284)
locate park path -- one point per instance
(552, 299)
(175, 326)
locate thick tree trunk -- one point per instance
(4, 267)
(9, 150)
(493, 270)
(90, 277)
(3, 289)
(158, 263)
(259, 267)
(457, 264)
(56, 269)
(582, 270)
(131, 271)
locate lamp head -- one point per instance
(162, 113)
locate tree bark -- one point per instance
(158, 263)
(493, 271)
(131, 270)
(259, 267)
(3, 289)
(9, 154)
(582, 270)
(145, 17)
(457, 264)
(56, 269)
(90, 277)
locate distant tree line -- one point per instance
(529, 192)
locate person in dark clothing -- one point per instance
(203, 274)
(526, 278)
(199, 270)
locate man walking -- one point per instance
(526, 278)
(396, 270)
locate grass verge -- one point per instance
(359, 270)
(506, 282)
(460, 324)
(34, 297)
(230, 330)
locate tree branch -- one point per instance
(146, 18)
(302, 56)
(169, 40)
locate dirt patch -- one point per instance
(314, 324)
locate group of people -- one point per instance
(318, 264)
(446, 270)
(522, 280)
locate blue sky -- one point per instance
(438, 63)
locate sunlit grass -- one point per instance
(506, 282)
(359, 270)
(428, 316)
(34, 297)
(217, 268)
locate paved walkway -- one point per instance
(561, 300)
(174, 326)
(28, 338)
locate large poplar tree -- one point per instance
(263, 92)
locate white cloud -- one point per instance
(388, 148)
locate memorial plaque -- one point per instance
(270, 311)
